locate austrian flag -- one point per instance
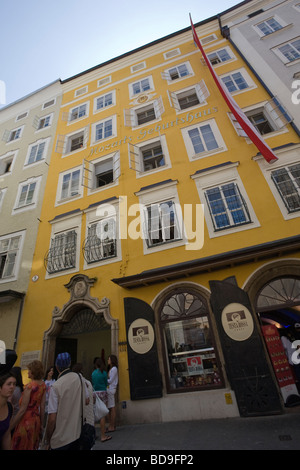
(240, 116)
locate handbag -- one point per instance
(100, 409)
(88, 433)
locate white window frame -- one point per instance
(113, 118)
(287, 157)
(66, 224)
(131, 87)
(59, 199)
(9, 157)
(216, 177)
(7, 136)
(49, 103)
(89, 172)
(158, 194)
(103, 95)
(101, 213)
(72, 111)
(200, 89)
(167, 76)
(246, 77)
(19, 250)
(137, 67)
(33, 202)
(131, 114)
(63, 143)
(229, 51)
(135, 156)
(274, 117)
(281, 22)
(37, 144)
(206, 153)
(282, 57)
(42, 122)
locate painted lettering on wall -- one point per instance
(189, 118)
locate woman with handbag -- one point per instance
(99, 381)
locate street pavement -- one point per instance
(279, 432)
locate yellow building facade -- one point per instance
(152, 196)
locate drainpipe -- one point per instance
(225, 31)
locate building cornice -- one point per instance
(228, 259)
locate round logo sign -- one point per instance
(141, 336)
(237, 322)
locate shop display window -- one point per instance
(191, 357)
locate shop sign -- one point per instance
(141, 336)
(237, 322)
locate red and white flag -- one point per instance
(240, 116)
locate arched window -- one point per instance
(191, 361)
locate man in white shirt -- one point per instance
(65, 407)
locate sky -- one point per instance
(43, 41)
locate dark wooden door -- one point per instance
(144, 373)
(246, 364)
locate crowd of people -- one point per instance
(48, 412)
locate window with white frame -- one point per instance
(27, 194)
(227, 207)
(203, 139)
(62, 253)
(267, 119)
(237, 80)
(104, 171)
(6, 163)
(189, 97)
(161, 217)
(141, 86)
(10, 136)
(72, 142)
(220, 56)
(288, 52)
(151, 155)
(69, 184)
(104, 101)
(269, 26)
(177, 72)
(10, 254)
(283, 178)
(37, 151)
(43, 122)
(287, 182)
(102, 243)
(143, 114)
(78, 112)
(104, 129)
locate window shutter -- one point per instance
(60, 144)
(86, 176)
(65, 117)
(116, 166)
(6, 135)
(159, 107)
(35, 122)
(166, 75)
(129, 118)
(278, 113)
(173, 100)
(240, 131)
(202, 91)
(134, 158)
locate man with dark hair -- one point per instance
(65, 407)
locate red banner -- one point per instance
(242, 119)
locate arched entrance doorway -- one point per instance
(84, 326)
(275, 293)
(85, 337)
